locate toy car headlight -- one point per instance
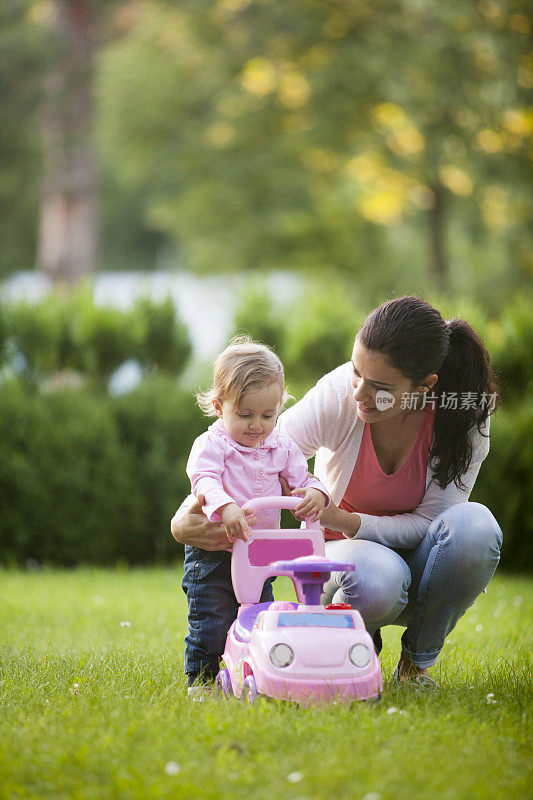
(281, 655)
(359, 655)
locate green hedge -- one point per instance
(504, 483)
(86, 478)
(510, 341)
(70, 332)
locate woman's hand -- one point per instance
(191, 526)
(336, 519)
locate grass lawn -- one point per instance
(94, 708)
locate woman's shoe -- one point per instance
(419, 682)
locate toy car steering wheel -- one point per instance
(312, 573)
(309, 565)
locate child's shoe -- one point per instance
(200, 692)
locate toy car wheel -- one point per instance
(249, 690)
(223, 684)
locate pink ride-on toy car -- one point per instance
(302, 651)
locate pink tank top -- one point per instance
(372, 491)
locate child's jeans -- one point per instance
(426, 590)
(212, 608)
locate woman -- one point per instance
(399, 436)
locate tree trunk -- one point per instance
(68, 231)
(437, 223)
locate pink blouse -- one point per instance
(372, 491)
(225, 471)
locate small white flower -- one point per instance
(479, 628)
(295, 777)
(76, 686)
(490, 698)
(125, 624)
(172, 768)
(500, 605)
(392, 710)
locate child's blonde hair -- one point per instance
(242, 367)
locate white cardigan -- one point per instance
(325, 423)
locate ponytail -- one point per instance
(465, 372)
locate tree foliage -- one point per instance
(374, 138)
(316, 135)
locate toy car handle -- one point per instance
(260, 503)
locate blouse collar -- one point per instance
(269, 443)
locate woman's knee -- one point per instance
(470, 530)
(378, 585)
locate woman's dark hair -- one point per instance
(417, 341)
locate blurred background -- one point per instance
(174, 172)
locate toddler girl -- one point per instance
(239, 457)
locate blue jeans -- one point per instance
(426, 590)
(212, 608)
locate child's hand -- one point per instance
(251, 519)
(236, 521)
(312, 504)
